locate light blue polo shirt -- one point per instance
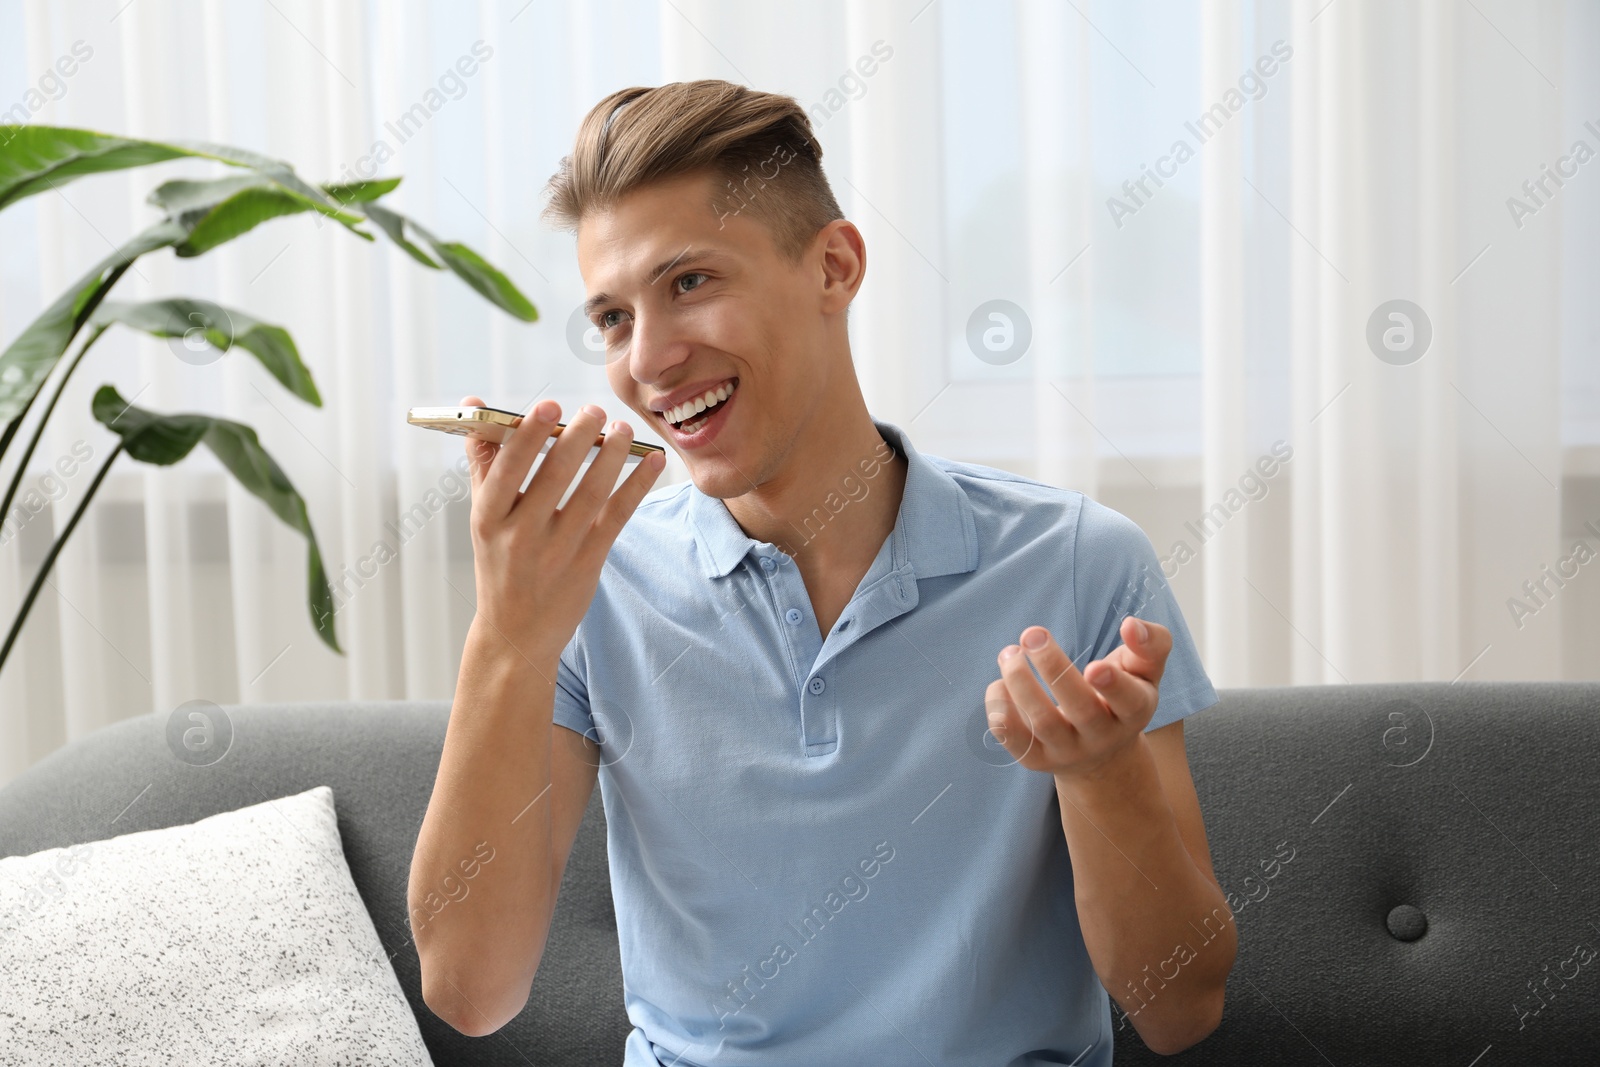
(819, 854)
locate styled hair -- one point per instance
(759, 145)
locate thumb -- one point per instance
(1144, 649)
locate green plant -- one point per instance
(198, 215)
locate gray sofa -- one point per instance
(1410, 865)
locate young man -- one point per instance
(790, 669)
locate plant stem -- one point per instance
(55, 550)
(38, 431)
(83, 316)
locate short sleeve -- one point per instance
(572, 692)
(1116, 574)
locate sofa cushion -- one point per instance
(237, 939)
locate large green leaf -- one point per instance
(246, 207)
(239, 214)
(276, 169)
(466, 264)
(185, 196)
(489, 282)
(180, 196)
(29, 359)
(220, 327)
(393, 224)
(165, 439)
(36, 158)
(360, 192)
(217, 210)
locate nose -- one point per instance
(657, 345)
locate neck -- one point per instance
(837, 496)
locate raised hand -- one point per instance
(537, 565)
(1079, 720)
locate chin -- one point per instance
(717, 477)
(710, 483)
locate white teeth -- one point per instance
(690, 408)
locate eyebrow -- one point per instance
(682, 259)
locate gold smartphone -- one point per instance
(495, 424)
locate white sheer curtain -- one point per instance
(1187, 312)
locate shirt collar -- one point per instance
(934, 532)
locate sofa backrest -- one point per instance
(1408, 865)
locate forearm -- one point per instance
(1157, 928)
(480, 927)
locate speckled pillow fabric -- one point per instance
(239, 939)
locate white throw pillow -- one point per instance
(238, 939)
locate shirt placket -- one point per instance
(885, 596)
(819, 717)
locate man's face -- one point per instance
(693, 300)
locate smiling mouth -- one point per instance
(692, 414)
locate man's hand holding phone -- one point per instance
(507, 776)
(537, 566)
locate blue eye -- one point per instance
(686, 277)
(606, 321)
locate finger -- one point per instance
(1148, 644)
(480, 453)
(1005, 721)
(1077, 698)
(619, 507)
(1037, 710)
(515, 457)
(585, 501)
(564, 458)
(1128, 695)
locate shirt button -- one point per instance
(767, 564)
(817, 685)
(793, 616)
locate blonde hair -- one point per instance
(760, 144)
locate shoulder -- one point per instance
(1062, 537)
(1088, 527)
(990, 487)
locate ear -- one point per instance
(843, 256)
